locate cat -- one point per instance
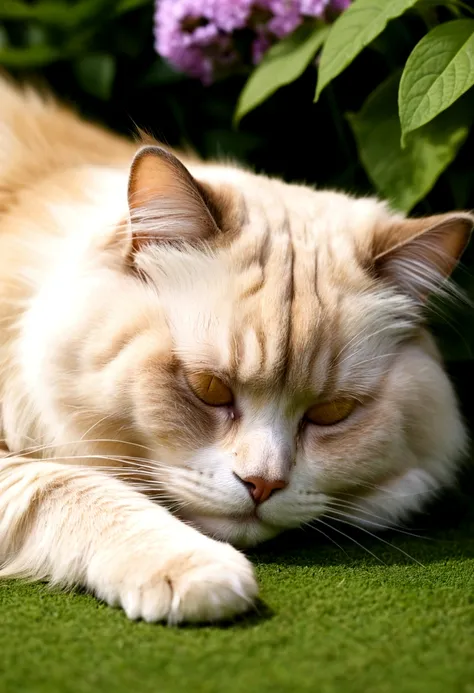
(195, 357)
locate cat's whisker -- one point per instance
(356, 523)
(58, 444)
(379, 538)
(329, 538)
(347, 536)
(189, 485)
(364, 338)
(357, 364)
(354, 507)
(137, 464)
(96, 425)
(390, 493)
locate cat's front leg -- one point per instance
(75, 525)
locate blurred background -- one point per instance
(236, 79)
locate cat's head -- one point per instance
(265, 343)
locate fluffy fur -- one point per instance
(122, 273)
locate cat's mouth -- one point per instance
(247, 516)
(242, 530)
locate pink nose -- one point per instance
(261, 489)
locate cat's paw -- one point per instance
(212, 585)
(209, 582)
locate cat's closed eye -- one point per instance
(210, 389)
(331, 413)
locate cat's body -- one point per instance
(246, 353)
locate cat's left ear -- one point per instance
(166, 203)
(416, 255)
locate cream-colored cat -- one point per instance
(201, 348)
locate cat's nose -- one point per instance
(261, 489)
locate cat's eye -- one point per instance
(210, 389)
(330, 413)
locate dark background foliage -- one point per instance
(104, 64)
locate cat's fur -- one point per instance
(115, 286)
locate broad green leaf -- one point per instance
(55, 12)
(95, 73)
(14, 9)
(405, 176)
(283, 63)
(363, 21)
(49, 12)
(31, 57)
(439, 70)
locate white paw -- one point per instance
(209, 582)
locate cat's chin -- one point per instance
(241, 532)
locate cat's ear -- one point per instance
(417, 255)
(166, 203)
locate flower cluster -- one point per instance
(204, 38)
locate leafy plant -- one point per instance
(353, 31)
(282, 64)
(438, 71)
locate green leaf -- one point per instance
(128, 5)
(439, 70)
(363, 21)
(31, 57)
(405, 176)
(34, 35)
(161, 72)
(283, 63)
(95, 73)
(14, 9)
(49, 12)
(56, 13)
(453, 5)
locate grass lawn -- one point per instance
(331, 620)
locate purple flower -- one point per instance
(286, 16)
(195, 35)
(313, 8)
(260, 45)
(230, 16)
(340, 5)
(198, 36)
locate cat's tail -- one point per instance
(38, 136)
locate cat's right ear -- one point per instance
(166, 203)
(417, 255)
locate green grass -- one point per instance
(330, 621)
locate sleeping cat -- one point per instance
(194, 355)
